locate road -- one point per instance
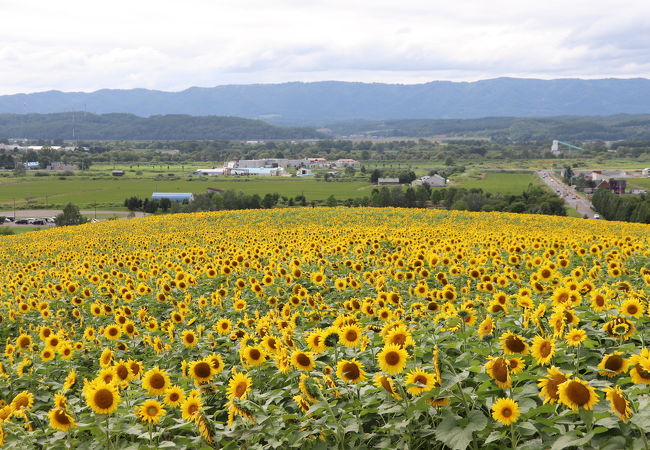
(42, 213)
(568, 194)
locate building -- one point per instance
(210, 172)
(646, 172)
(255, 171)
(304, 172)
(173, 196)
(599, 175)
(347, 162)
(617, 186)
(388, 182)
(117, 173)
(432, 180)
(31, 164)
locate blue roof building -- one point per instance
(173, 196)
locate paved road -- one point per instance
(570, 196)
(42, 213)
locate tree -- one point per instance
(133, 203)
(331, 201)
(70, 216)
(165, 204)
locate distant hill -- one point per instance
(608, 128)
(323, 102)
(131, 127)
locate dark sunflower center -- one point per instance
(189, 338)
(393, 358)
(202, 370)
(420, 379)
(104, 398)
(545, 349)
(351, 371)
(578, 393)
(619, 404)
(614, 363)
(515, 344)
(193, 408)
(351, 335)
(632, 309)
(122, 372)
(303, 360)
(506, 412)
(157, 381)
(240, 389)
(174, 396)
(642, 372)
(61, 417)
(152, 411)
(255, 354)
(500, 370)
(399, 339)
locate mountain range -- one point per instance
(320, 103)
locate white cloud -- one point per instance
(82, 45)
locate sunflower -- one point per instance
(23, 401)
(399, 335)
(513, 343)
(316, 341)
(549, 385)
(253, 356)
(575, 337)
(505, 411)
(640, 363)
(106, 358)
(420, 380)
(516, 365)
(47, 354)
(189, 338)
(135, 368)
(122, 372)
(350, 335)
(112, 332)
(619, 328)
(576, 394)
(174, 396)
(350, 371)
(486, 327)
(155, 381)
(543, 350)
(70, 380)
(216, 362)
(499, 371)
(102, 397)
(223, 326)
(191, 408)
(392, 359)
(150, 412)
(303, 360)
(632, 307)
(239, 385)
(5, 413)
(201, 371)
(618, 403)
(24, 342)
(61, 420)
(612, 364)
(60, 401)
(388, 384)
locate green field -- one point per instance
(500, 183)
(111, 192)
(640, 182)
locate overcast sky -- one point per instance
(75, 45)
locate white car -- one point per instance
(596, 216)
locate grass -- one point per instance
(572, 212)
(640, 182)
(111, 192)
(501, 183)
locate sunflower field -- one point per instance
(327, 328)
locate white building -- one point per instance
(646, 172)
(432, 180)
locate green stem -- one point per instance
(513, 441)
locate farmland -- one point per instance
(272, 328)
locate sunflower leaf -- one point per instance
(456, 437)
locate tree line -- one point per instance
(627, 208)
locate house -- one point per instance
(31, 164)
(210, 172)
(303, 172)
(388, 181)
(433, 180)
(318, 162)
(617, 186)
(646, 172)
(215, 190)
(598, 175)
(173, 196)
(347, 162)
(60, 166)
(117, 173)
(639, 191)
